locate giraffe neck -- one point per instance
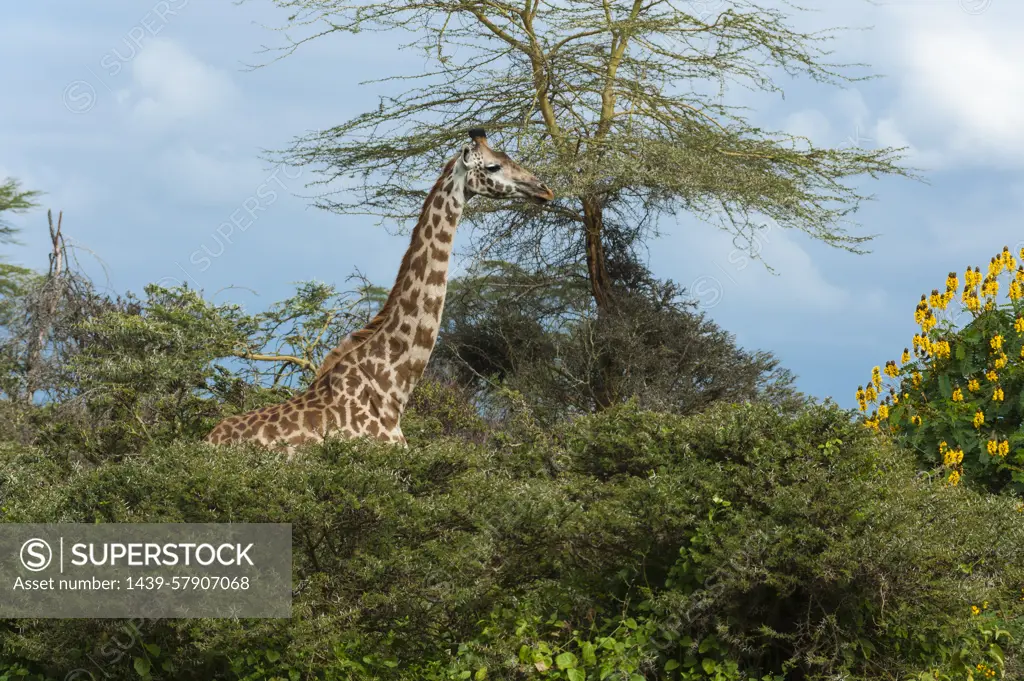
(404, 332)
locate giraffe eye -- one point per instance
(492, 168)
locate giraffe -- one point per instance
(363, 385)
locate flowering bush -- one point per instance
(956, 397)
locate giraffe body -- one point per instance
(364, 384)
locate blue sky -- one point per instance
(141, 122)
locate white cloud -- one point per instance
(961, 98)
(170, 86)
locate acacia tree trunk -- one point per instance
(603, 390)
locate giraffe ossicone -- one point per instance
(364, 384)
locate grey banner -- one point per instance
(145, 570)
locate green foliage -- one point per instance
(439, 408)
(13, 199)
(739, 544)
(130, 372)
(537, 334)
(144, 374)
(960, 402)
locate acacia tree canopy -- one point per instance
(616, 103)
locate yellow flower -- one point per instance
(876, 377)
(941, 349)
(973, 385)
(916, 379)
(1016, 290)
(952, 457)
(1018, 325)
(951, 282)
(979, 419)
(975, 610)
(1001, 361)
(992, 375)
(954, 478)
(1004, 448)
(958, 395)
(1008, 262)
(891, 369)
(995, 266)
(929, 322)
(996, 342)
(943, 447)
(883, 412)
(998, 396)
(992, 446)
(916, 420)
(905, 357)
(921, 311)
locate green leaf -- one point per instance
(576, 674)
(708, 664)
(273, 655)
(945, 387)
(152, 648)
(566, 661)
(671, 664)
(589, 658)
(481, 674)
(142, 666)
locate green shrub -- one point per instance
(740, 544)
(959, 401)
(441, 408)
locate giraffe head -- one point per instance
(493, 174)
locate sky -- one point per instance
(143, 121)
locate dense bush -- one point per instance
(740, 544)
(538, 334)
(959, 400)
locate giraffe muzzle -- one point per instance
(537, 192)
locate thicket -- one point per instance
(737, 544)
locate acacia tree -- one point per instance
(13, 199)
(616, 103)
